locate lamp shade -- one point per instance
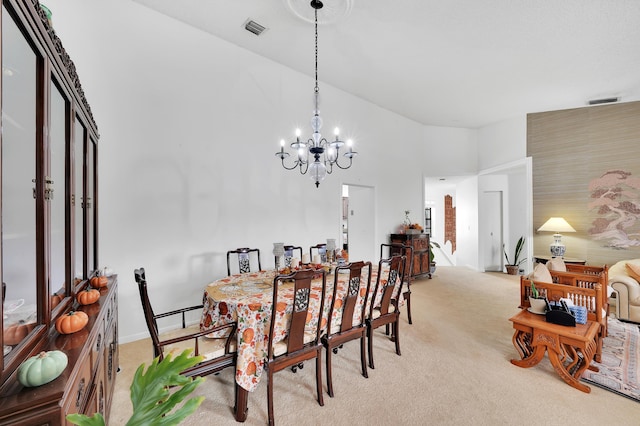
(556, 224)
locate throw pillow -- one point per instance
(633, 271)
(541, 273)
(556, 264)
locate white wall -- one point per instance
(502, 142)
(189, 125)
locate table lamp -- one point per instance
(557, 225)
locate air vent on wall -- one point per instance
(603, 101)
(253, 27)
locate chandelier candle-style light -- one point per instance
(325, 154)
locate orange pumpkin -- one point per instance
(55, 300)
(88, 296)
(15, 333)
(71, 322)
(98, 282)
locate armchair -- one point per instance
(625, 282)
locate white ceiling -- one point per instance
(460, 63)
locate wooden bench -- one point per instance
(587, 277)
(590, 298)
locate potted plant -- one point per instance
(432, 263)
(538, 304)
(513, 266)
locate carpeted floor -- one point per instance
(454, 370)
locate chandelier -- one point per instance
(317, 155)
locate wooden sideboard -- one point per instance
(420, 245)
(49, 219)
(86, 385)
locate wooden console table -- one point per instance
(570, 349)
(421, 252)
(569, 260)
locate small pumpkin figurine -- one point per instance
(88, 296)
(42, 368)
(15, 333)
(55, 300)
(71, 322)
(98, 280)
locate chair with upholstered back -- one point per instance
(385, 305)
(386, 250)
(248, 259)
(289, 253)
(219, 353)
(299, 296)
(319, 249)
(347, 313)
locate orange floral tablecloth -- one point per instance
(247, 299)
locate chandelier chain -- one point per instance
(316, 23)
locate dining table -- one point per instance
(247, 299)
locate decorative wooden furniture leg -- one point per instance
(370, 347)
(242, 397)
(530, 356)
(329, 374)
(407, 297)
(564, 373)
(363, 358)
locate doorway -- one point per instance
(358, 223)
(492, 228)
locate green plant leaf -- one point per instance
(157, 392)
(517, 253)
(82, 420)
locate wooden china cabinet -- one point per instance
(49, 225)
(421, 249)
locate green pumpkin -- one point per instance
(42, 368)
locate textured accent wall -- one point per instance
(586, 169)
(450, 222)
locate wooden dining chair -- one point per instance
(320, 249)
(289, 253)
(218, 353)
(387, 250)
(302, 341)
(247, 259)
(347, 313)
(385, 306)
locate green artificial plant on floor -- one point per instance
(156, 394)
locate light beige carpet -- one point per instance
(454, 370)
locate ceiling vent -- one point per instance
(253, 27)
(603, 101)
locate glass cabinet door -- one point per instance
(19, 179)
(78, 200)
(56, 177)
(89, 207)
